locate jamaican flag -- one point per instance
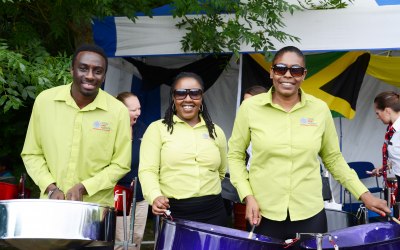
(334, 77)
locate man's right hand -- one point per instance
(160, 205)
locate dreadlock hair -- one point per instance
(169, 113)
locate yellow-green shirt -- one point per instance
(187, 163)
(67, 145)
(285, 169)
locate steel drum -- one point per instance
(55, 224)
(373, 236)
(184, 235)
(339, 219)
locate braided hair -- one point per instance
(169, 113)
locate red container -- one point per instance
(239, 212)
(118, 199)
(8, 191)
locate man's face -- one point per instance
(88, 73)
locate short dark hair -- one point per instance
(289, 49)
(92, 48)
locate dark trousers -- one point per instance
(206, 209)
(287, 229)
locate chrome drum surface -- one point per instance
(55, 224)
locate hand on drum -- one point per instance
(252, 210)
(160, 205)
(375, 204)
(76, 192)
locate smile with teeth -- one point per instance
(188, 107)
(287, 84)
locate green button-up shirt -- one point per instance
(184, 164)
(285, 168)
(67, 145)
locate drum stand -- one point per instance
(128, 242)
(318, 238)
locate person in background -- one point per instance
(138, 128)
(183, 157)
(5, 168)
(289, 129)
(387, 109)
(78, 142)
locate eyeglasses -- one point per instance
(195, 94)
(295, 71)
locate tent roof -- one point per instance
(364, 25)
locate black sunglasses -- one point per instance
(295, 71)
(195, 94)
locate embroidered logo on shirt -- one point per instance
(307, 122)
(104, 126)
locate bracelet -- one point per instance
(52, 191)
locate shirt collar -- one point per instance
(99, 102)
(179, 120)
(396, 125)
(268, 100)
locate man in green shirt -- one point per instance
(289, 130)
(78, 143)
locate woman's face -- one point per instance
(133, 105)
(382, 115)
(188, 97)
(285, 84)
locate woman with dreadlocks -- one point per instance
(183, 157)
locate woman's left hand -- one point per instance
(375, 204)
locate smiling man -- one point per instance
(78, 143)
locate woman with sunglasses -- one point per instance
(183, 157)
(289, 130)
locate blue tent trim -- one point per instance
(105, 35)
(387, 2)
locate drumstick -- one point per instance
(251, 231)
(393, 218)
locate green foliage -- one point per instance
(24, 77)
(255, 23)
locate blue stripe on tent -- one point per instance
(388, 2)
(105, 35)
(164, 10)
(150, 101)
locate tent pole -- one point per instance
(239, 85)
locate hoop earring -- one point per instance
(201, 108)
(173, 107)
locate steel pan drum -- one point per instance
(373, 236)
(339, 219)
(55, 224)
(184, 235)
